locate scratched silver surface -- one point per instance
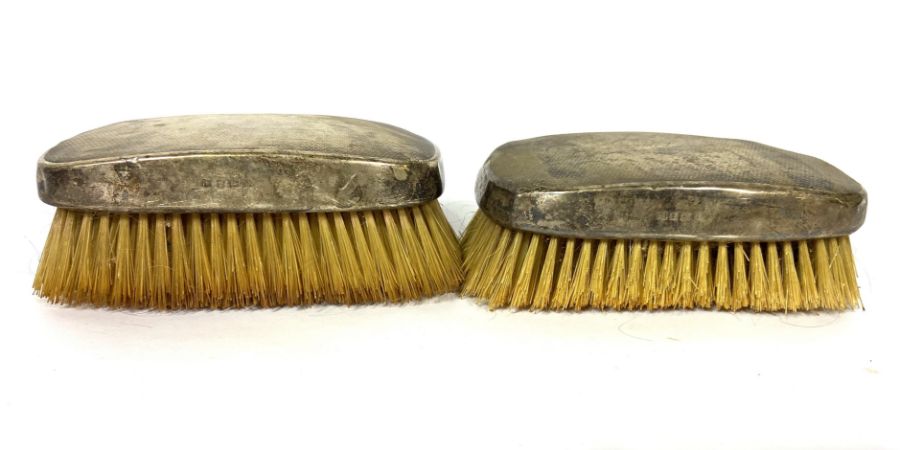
(241, 163)
(666, 186)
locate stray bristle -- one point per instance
(525, 270)
(209, 260)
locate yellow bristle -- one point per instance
(382, 260)
(615, 290)
(521, 270)
(161, 274)
(828, 295)
(841, 282)
(311, 277)
(684, 281)
(580, 297)
(650, 290)
(666, 279)
(436, 216)
(143, 260)
(68, 280)
(433, 267)
(371, 278)
(217, 266)
(229, 260)
(702, 277)
(122, 290)
(633, 276)
(62, 265)
(290, 260)
(446, 243)
(722, 286)
(236, 276)
(404, 270)
(475, 230)
(182, 277)
(544, 286)
(520, 260)
(253, 261)
(199, 259)
(78, 283)
(416, 255)
(484, 237)
(524, 289)
(597, 290)
(334, 279)
(495, 260)
(846, 253)
(793, 297)
(103, 263)
(270, 251)
(561, 291)
(759, 288)
(775, 295)
(349, 263)
(475, 239)
(740, 286)
(52, 249)
(503, 284)
(808, 291)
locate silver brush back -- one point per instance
(241, 163)
(666, 186)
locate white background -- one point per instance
(817, 78)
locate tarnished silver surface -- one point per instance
(241, 163)
(666, 186)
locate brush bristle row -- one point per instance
(525, 270)
(194, 260)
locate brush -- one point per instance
(230, 211)
(646, 221)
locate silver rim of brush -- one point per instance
(666, 187)
(241, 163)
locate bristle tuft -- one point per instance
(758, 284)
(356, 289)
(561, 297)
(684, 277)
(524, 289)
(103, 262)
(703, 277)
(722, 288)
(596, 293)
(824, 276)
(544, 288)
(142, 260)
(499, 298)
(217, 265)
(313, 283)
(793, 296)
(292, 292)
(615, 289)
(633, 275)
(161, 277)
(122, 290)
(775, 296)
(580, 298)
(666, 280)
(846, 254)
(650, 292)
